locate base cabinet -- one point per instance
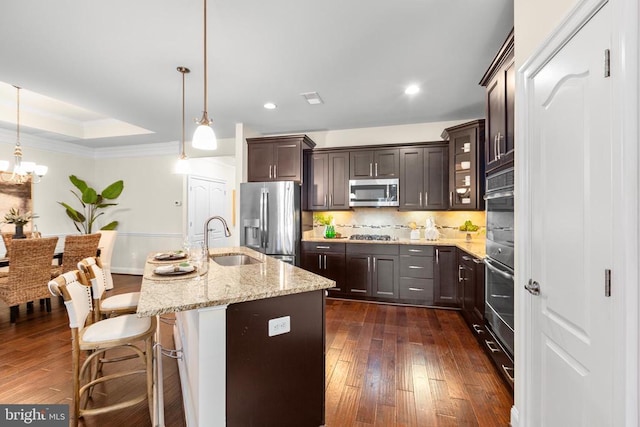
(327, 260)
(372, 270)
(471, 290)
(446, 290)
(416, 274)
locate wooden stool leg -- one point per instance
(30, 307)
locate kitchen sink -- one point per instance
(234, 259)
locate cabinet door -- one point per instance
(386, 163)
(338, 180)
(436, 178)
(317, 184)
(411, 178)
(466, 288)
(385, 276)
(479, 298)
(311, 261)
(508, 142)
(464, 169)
(446, 288)
(360, 164)
(287, 161)
(334, 269)
(359, 274)
(259, 162)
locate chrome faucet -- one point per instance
(227, 233)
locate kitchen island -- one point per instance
(250, 339)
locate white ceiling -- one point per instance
(118, 58)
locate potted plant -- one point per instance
(19, 220)
(326, 221)
(92, 202)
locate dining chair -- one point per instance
(123, 333)
(76, 248)
(107, 242)
(110, 306)
(7, 238)
(29, 273)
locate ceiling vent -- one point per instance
(312, 98)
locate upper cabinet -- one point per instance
(382, 163)
(327, 183)
(424, 178)
(276, 158)
(499, 80)
(466, 172)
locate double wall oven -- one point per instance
(499, 283)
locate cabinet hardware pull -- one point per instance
(368, 265)
(466, 258)
(325, 262)
(358, 290)
(275, 171)
(415, 250)
(477, 261)
(437, 256)
(270, 168)
(492, 346)
(500, 137)
(319, 262)
(374, 265)
(325, 200)
(451, 198)
(426, 199)
(415, 267)
(370, 169)
(477, 328)
(420, 197)
(460, 268)
(330, 199)
(323, 247)
(495, 147)
(507, 371)
(376, 168)
(416, 289)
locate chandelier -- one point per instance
(21, 170)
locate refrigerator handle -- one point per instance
(266, 219)
(261, 219)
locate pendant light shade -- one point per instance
(182, 166)
(204, 138)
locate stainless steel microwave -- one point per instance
(373, 192)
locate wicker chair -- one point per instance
(76, 248)
(7, 238)
(114, 305)
(29, 273)
(125, 333)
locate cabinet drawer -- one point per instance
(372, 249)
(419, 250)
(323, 247)
(416, 289)
(420, 267)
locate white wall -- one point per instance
(534, 21)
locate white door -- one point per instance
(569, 185)
(206, 198)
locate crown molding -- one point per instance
(45, 144)
(142, 150)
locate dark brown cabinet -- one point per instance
(471, 291)
(446, 289)
(277, 158)
(499, 81)
(372, 270)
(328, 180)
(466, 165)
(424, 178)
(327, 260)
(416, 274)
(382, 163)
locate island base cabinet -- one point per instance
(276, 380)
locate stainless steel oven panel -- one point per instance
(499, 297)
(501, 330)
(499, 252)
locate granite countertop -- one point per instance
(475, 247)
(223, 285)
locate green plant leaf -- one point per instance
(111, 226)
(72, 213)
(104, 205)
(78, 183)
(114, 190)
(89, 196)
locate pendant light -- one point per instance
(204, 138)
(21, 170)
(182, 165)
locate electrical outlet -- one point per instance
(279, 326)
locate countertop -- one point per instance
(475, 247)
(223, 285)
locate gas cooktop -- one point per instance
(384, 237)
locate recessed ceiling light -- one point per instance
(312, 98)
(270, 106)
(412, 90)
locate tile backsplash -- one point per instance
(396, 223)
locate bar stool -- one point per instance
(120, 332)
(111, 306)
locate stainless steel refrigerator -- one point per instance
(270, 219)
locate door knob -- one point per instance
(533, 287)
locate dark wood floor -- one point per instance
(386, 365)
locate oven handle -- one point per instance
(497, 270)
(499, 195)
